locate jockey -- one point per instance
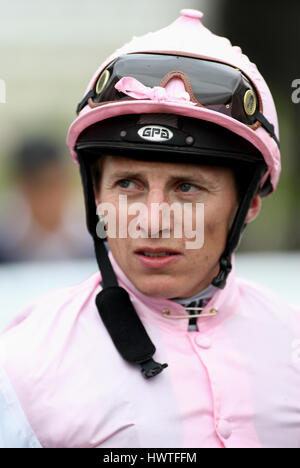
(165, 346)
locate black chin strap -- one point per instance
(109, 278)
(126, 330)
(237, 228)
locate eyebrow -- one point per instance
(125, 173)
(200, 179)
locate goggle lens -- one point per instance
(215, 85)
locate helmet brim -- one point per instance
(256, 137)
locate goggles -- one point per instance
(212, 85)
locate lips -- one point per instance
(157, 254)
(159, 251)
(157, 257)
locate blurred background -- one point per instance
(48, 53)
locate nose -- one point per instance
(152, 222)
(156, 194)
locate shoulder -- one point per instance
(256, 291)
(49, 356)
(15, 429)
(49, 314)
(261, 301)
(53, 301)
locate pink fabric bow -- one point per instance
(173, 92)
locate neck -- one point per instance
(205, 294)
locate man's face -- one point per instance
(183, 271)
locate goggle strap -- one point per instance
(267, 126)
(84, 101)
(259, 116)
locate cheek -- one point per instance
(105, 196)
(107, 204)
(120, 249)
(219, 218)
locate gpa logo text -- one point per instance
(2, 92)
(296, 92)
(155, 133)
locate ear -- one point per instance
(254, 209)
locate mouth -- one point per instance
(157, 252)
(158, 257)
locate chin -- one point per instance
(159, 287)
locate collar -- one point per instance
(204, 295)
(162, 312)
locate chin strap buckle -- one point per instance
(150, 368)
(225, 268)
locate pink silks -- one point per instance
(173, 92)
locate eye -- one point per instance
(186, 187)
(126, 183)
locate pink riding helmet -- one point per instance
(185, 37)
